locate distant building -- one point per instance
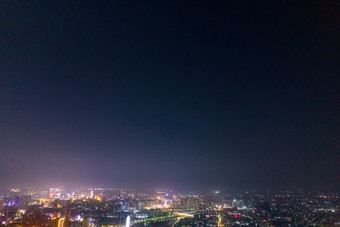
(67, 214)
(190, 203)
(237, 204)
(263, 206)
(140, 205)
(86, 222)
(25, 200)
(125, 206)
(149, 203)
(16, 201)
(55, 193)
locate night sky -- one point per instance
(179, 94)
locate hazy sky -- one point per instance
(170, 93)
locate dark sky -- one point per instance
(170, 93)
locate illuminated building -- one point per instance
(55, 193)
(85, 222)
(149, 203)
(15, 190)
(140, 205)
(190, 203)
(25, 200)
(16, 201)
(237, 204)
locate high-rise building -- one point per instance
(149, 203)
(16, 201)
(190, 203)
(67, 214)
(55, 193)
(237, 204)
(86, 222)
(25, 200)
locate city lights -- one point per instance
(129, 207)
(169, 113)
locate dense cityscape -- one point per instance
(169, 113)
(84, 207)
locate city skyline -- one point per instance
(154, 94)
(85, 207)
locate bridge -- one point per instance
(171, 217)
(176, 216)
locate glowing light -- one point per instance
(61, 222)
(184, 214)
(127, 221)
(219, 224)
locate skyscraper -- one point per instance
(86, 222)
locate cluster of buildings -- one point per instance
(84, 207)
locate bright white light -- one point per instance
(127, 221)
